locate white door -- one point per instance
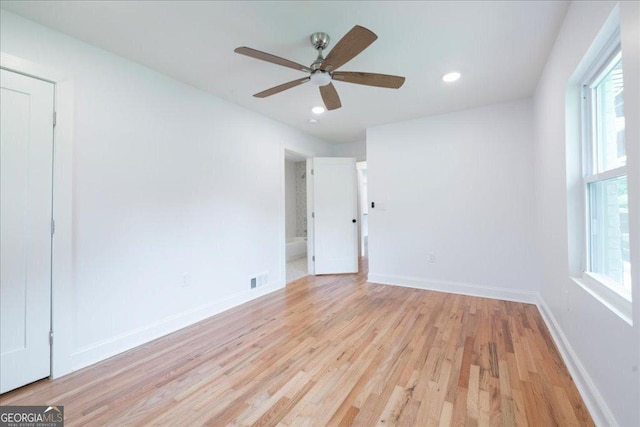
(335, 199)
(26, 164)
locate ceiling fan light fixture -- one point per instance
(320, 78)
(317, 110)
(451, 77)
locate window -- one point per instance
(607, 260)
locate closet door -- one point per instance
(26, 166)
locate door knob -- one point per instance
(353, 220)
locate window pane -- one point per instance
(609, 226)
(610, 147)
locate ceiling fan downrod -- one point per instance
(319, 77)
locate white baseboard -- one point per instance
(456, 288)
(107, 348)
(600, 412)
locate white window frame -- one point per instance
(608, 291)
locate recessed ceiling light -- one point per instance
(318, 110)
(313, 121)
(451, 77)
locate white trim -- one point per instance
(456, 288)
(602, 61)
(608, 66)
(608, 174)
(110, 347)
(607, 294)
(612, 285)
(311, 230)
(600, 412)
(62, 242)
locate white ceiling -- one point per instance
(500, 48)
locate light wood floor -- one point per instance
(333, 350)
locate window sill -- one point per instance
(618, 303)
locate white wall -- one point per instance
(605, 349)
(168, 181)
(290, 198)
(458, 186)
(354, 149)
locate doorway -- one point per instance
(296, 230)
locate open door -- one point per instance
(335, 198)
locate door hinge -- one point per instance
(313, 214)
(313, 258)
(53, 226)
(55, 118)
(50, 337)
(311, 171)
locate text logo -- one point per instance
(31, 416)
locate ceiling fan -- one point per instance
(324, 70)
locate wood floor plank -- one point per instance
(349, 416)
(333, 350)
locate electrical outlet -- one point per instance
(185, 280)
(431, 258)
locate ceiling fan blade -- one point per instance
(369, 79)
(280, 88)
(271, 58)
(330, 97)
(354, 42)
